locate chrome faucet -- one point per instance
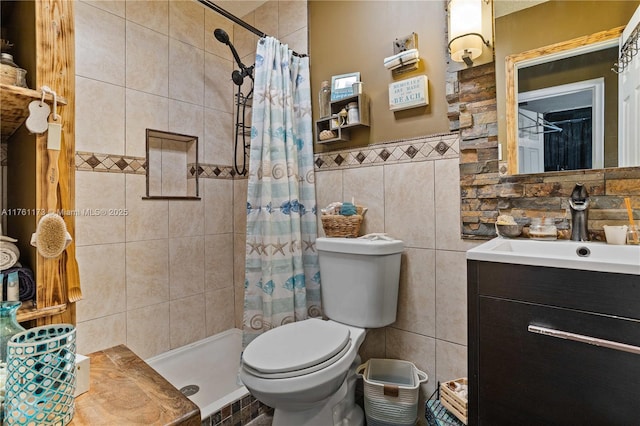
(579, 204)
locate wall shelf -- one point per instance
(15, 106)
(28, 311)
(343, 133)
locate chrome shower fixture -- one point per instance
(237, 75)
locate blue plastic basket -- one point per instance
(41, 376)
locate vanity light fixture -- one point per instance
(466, 39)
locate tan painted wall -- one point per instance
(360, 35)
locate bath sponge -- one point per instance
(51, 236)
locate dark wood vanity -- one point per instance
(519, 376)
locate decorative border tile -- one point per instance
(239, 412)
(96, 162)
(424, 148)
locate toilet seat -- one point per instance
(296, 349)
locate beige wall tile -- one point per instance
(219, 139)
(328, 190)
(112, 6)
(186, 22)
(101, 333)
(173, 173)
(219, 89)
(147, 273)
(146, 219)
(298, 41)
(452, 361)
(218, 205)
(451, 296)
(144, 111)
(106, 222)
(266, 18)
(99, 117)
(409, 203)
(147, 60)
(220, 314)
(186, 72)
(187, 318)
(153, 14)
(292, 16)
(218, 258)
(213, 20)
(100, 44)
(186, 267)
(147, 330)
(366, 186)
(187, 119)
(240, 205)
(244, 40)
(102, 269)
(186, 218)
(417, 295)
(374, 345)
(447, 207)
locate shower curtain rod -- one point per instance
(240, 22)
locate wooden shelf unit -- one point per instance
(35, 27)
(343, 133)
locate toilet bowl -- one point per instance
(323, 354)
(306, 370)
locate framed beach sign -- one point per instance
(342, 85)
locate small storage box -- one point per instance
(391, 390)
(452, 401)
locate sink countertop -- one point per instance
(126, 390)
(584, 255)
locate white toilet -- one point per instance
(306, 370)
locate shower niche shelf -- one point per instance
(343, 133)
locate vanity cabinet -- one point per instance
(343, 132)
(43, 37)
(519, 376)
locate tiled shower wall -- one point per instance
(157, 274)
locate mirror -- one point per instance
(562, 105)
(172, 165)
(533, 37)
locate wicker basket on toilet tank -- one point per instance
(336, 225)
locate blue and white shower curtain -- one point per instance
(282, 278)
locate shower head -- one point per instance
(221, 35)
(237, 76)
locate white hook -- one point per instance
(47, 89)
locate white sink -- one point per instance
(591, 256)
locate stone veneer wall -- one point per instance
(486, 189)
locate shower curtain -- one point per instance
(282, 278)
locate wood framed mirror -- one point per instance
(523, 159)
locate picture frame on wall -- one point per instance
(342, 85)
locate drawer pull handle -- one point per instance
(584, 339)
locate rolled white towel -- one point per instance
(9, 255)
(403, 58)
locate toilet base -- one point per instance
(339, 409)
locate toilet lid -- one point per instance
(296, 346)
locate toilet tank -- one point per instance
(359, 280)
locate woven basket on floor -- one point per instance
(336, 225)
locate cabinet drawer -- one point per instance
(599, 292)
(532, 379)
